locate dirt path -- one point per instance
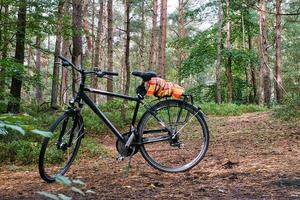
(251, 156)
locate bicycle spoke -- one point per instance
(186, 142)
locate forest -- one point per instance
(240, 60)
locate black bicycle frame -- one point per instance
(85, 98)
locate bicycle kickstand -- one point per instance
(128, 167)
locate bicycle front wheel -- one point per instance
(174, 136)
(59, 151)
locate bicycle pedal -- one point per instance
(119, 157)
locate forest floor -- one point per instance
(252, 156)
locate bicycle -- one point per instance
(168, 129)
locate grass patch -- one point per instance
(230, 109)
(93, 149)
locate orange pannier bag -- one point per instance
(161, 88)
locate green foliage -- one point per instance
(77, 190)
(49, 195)
(290, 110)
(70, 184)
(63, 180)
(93, 149)
(43, 133)
(5, 127)
(230, 109)
(19, 151)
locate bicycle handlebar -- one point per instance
(99, 73)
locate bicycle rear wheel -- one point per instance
(59, 151)
(174, 136)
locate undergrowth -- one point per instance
(16, 148)
(290, 109)
(230, 109)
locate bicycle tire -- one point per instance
(44, 173)
(153, 158)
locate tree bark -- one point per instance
(153, 44)
(253, 72)
(98, 47)
(181, 34)
(110, 45)
(278, 47)
(64, 73)
(218, 64)
(228, 69)
(265, 83)
(163, 42)
(55, 78)
(4, 47)
(127, 5)
(77, 40)
(16, 83)
(38, 89)
(127, 46)
(93, 30)
(142, 39)
(86, 29)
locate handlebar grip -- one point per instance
(111, 73)
(65, 62)
(62, 58)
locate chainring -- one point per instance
(122, 150)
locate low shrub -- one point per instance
(290, 109)
(230, 109)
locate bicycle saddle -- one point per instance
(146, 76)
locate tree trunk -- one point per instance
(55, 78)
(1, 7)
(126, 56)
(66, 54)
(98, 46)
(4, 46)
(93, 30)
(142, 39)
(228, 69)
(218, 64)
(16, 83)
(265, 83)
(153, 44)
(64, 73)
(163, 42)
(127, 46)
(38, 90)
(278, 46)
(77, 40)
(253, 71)
(86, 29)
(181, 54)
(110, 45)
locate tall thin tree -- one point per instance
(55, 78)
(77, 18)
(278, 56)
(265, 83)
(218, 64)
(228, 65)
(163, 38)
(110, 44)
(4, 46)
(38, 89)
(142, 38)
(153, 43)
(98, 45)
(16, 83)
